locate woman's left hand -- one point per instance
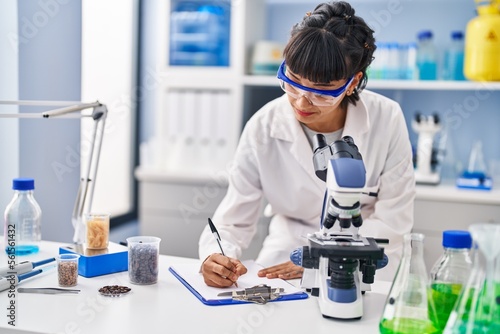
(286, 270)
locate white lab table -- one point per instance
(168, 307)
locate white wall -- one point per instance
(109, 47)
(49, 69)
(45, 65)
(9, 130)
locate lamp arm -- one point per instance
(86, 188)
(83, 202)
(70, 109)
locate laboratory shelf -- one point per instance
(450, 193)
(446, 192)
(270, 80)
(432, 85)
(198, 177)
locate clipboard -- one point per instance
(189, 276)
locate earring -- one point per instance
(348, 92)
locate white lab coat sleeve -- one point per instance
(237, 216)
(392, 214)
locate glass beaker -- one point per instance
(478, 307)
(409, 307)
(97, 228)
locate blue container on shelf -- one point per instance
(426, 56)
(199, 33)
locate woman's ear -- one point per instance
(357, 78)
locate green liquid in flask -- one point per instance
(407, 326)
(475, 322)
(445, 297)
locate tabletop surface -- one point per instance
(167, 307)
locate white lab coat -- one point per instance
(274, 161)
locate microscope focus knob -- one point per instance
(302, 257)
(368, 271)
(296, 256)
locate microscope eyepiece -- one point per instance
(319, 142)
(348, 140)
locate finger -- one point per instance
(273, 269)
(280, 271)
(224, 261)
(289, 272)
(216, 275)
(240, 268)
(279, 274)
(291, 275)
(217, 281)
(223, 271)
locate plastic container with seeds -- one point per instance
(67, 269)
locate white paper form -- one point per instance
(190, 273)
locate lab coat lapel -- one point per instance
(289, 129)
(357, 123)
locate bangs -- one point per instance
(313, 54)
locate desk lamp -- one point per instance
(83, 202)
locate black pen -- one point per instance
(216, 234)
(217, 237)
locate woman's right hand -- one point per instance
(221, 271)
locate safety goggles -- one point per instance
(318, 97)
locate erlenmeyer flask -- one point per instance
(409, 308)
(477, 310)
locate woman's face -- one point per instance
(320, 118)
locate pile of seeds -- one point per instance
(114, 290)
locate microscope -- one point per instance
(339, 263)
(426, 156)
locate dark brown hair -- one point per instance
(330, 44)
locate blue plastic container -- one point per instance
(199, 34)
(454, 58)
(99, 262)
(426, 56)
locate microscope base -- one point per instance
(432, 178)
(335, 318)
(346, 311)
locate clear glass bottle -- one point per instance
(22, 230)
(477, 310)
(450, 273)
(409, 308)
(426, 56)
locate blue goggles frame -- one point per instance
(334, 92)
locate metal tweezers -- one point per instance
(49, 291)
(259, 294)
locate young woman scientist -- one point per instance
(323, 76)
